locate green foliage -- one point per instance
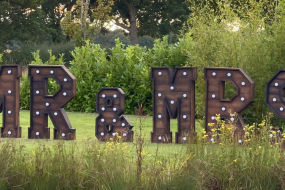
(23, 56)
(79, 25)
(33, 21)
(88, 67)
(107, 41)
(17, 23)
(53, 86)
(25, 92)
(155, 18)
(127, 68)
(257, 47)
(1, 55)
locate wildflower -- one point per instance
(148, 155)
(204, 136)
(259, 147)
(211, 124)
(271, 135)
(262, 124)
(239, 141)
(212, 139)
(235, 160)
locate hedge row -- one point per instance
(127, 68)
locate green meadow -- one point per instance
(84, 123)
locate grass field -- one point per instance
(84, 123)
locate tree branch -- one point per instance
(121, 24)
(141, 2)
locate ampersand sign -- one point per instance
(44, 105)
(110, 104)
(173, 97)
(275, 94)
(10, 100)
(215, 90)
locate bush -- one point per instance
(257, 47)
(23, 56)
(127, 68)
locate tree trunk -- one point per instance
(133, 23)
(81, 25)
(86, 5)
(133, 27)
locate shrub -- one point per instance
(23, 56)
(257, 47)
(127, 68)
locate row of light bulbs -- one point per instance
(114, 120)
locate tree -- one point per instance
(268, 7)
(22, 20)
(86, 19)
(53, 9)
(154, 18)
(31, 20)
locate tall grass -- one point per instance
(255, 163)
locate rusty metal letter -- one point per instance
(275, 94)
(173, 97)
(44, 105)
(110, 104)
(215, 102)
(10, 100)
